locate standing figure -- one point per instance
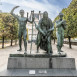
(45, 29)
(60, 27)
(22, 21)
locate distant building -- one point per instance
(37, 16)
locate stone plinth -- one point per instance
(21, 61)
(63, 63)
(48, 73)
(28, 62)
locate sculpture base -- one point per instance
(21, 61)
(38, 55)
(38, 73)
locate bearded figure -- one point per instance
(45, 30)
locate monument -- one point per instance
(48, 60)
(46, 64)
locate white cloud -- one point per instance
(53, 10)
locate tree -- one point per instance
(8, 27)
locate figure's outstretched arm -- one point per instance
(13, 11)
(30, 20)
(32, 14)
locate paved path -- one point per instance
(4, 53)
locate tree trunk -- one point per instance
(3, 42)
(11, 42)
(69, 38)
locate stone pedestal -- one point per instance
(64, 63)
(27, 62)
(40, 61)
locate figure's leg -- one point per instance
(62, 40)
(25, 45)
(59, 43)
(25, 41)
(20, 41)
(49, 45)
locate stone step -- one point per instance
(39, 73)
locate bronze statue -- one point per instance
(45, 29)
(22, 21)
(60, 25)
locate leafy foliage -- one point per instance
(8, 26)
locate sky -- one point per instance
(53, 7)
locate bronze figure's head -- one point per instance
(61, 15)
(22, 12)
(45, 15)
